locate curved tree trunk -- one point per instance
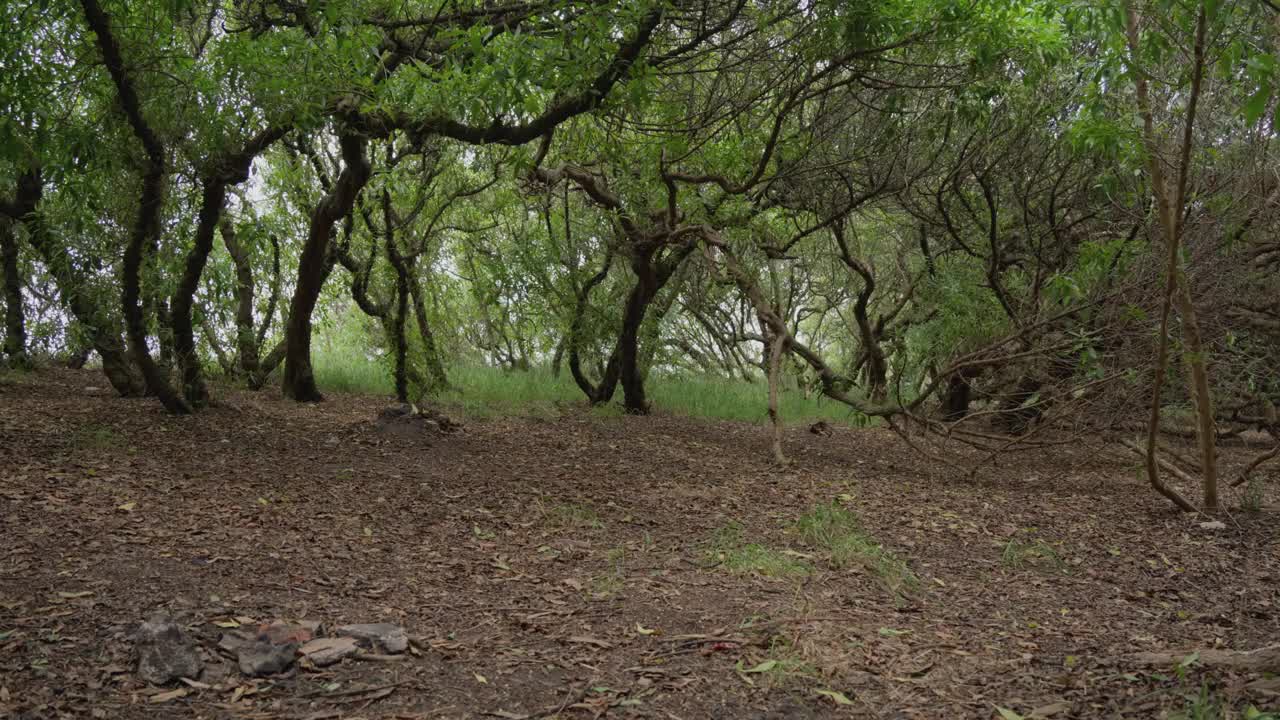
(101, 329)
(651, 277)
(633, 396)
(603, 392)
(299, 379)
(184, 340)
(147, 225)
(226, 171)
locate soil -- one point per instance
(582, 566)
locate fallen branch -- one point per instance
(1257, 462)
(1264, 659)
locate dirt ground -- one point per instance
(586, 566)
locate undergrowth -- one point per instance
(839, 534)
(1019, 553)
(730, 549)
(479, 391)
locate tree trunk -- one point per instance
(437, 378)
(15, 328)
(557, 357)
(1197, 365)
(633, 397)
(1171, 204)
(269, 316)
(776, 349)
(603, 392)
(246, 361)
(299, 379)
(147, 225)
(102, 330)
(184, 339)
(955, 406)
(400, 342)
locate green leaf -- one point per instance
(1257, 104)
(763, 667)
(1008, 714)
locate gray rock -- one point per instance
(165, 653)
(390, 638)
(327, 651)
(260, 658)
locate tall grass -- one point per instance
(482, 391)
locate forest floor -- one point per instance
(585, 566)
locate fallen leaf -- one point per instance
(763, 667)
(75, 595)
(480, 678)
(1051, 709)
(587, 640)
(644, 630)
(127, 507)
(1008, 714)
(835, 696)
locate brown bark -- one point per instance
(147, 224)
(232, 169)
(299, 379)
(1170, 203)
(776, 349)
(15, 327)
(603, 392)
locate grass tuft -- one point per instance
(568, 516)
(97, 437)
(1020, 553)
(839, 533)
(730, 549)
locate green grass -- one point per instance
(568, 516)
(97, 437)
(480, 392)
(346, 370)
(730, 550)
(1019, 553)
(839, 533)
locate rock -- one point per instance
(165, 653)
(820, 428)
(233, 641)
(265, 658)
(327, 651)
(390, 638)
(268, 650)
